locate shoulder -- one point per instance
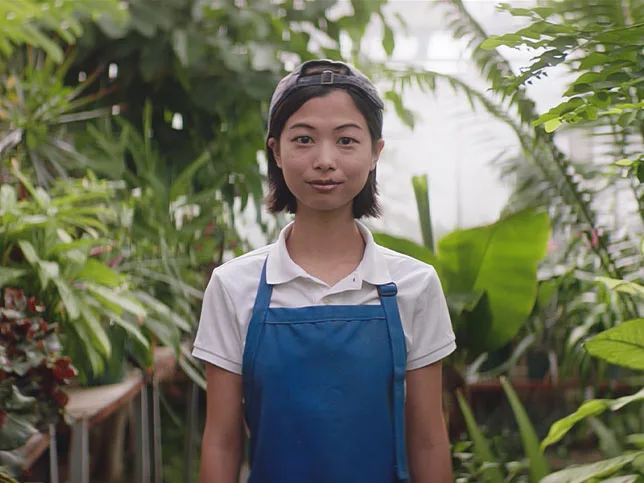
(404, 268)
(243, 272)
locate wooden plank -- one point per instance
(94, 404)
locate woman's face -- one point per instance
(325, 153)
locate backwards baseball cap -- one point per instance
(322, 72)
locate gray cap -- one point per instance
(323, 72)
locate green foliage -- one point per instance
(36, 112)
(589, 408)
(482, 451)
(488, 274)
(490, 465)
(31, 22)
(610, 67)
(539, 466)
(421, 192)
(53, 242)
(214, 65)
(501, 261)
(593, 471)
(622, 345)
(32, 370)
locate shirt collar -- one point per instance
(280, 268)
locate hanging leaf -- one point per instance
(594, 407)
(9, 275)
(622, 345)
(583, 473)
(500, 259)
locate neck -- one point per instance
(320, 240)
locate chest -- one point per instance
(307, 293)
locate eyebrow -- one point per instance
(339, 128)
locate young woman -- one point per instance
(325, 344)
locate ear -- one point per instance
(274, 146)
(376, 153)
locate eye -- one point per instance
(345, 141)
(303, 139)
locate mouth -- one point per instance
(324, 185)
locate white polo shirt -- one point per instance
(230, 296)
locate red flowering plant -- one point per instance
(32, 370)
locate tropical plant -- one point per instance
(32, 371)
(56, 246)
(579, 197)
(32, 22)
(207, 70)
(488, 273)
(169, 236)
(488, 466)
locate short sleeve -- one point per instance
(218, 340)
(432, 334)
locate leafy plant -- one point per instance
(51, 245)
(32, 22)
(32, 371)
(488, 273)
(180, 57)
(490, 467)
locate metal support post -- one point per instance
(142, 437)
(193, 418)
(53, 455)
(79, 464)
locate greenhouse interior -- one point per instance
(133, 163)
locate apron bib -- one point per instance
(324, 392)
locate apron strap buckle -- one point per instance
(388, 290)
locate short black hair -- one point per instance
(279, 197)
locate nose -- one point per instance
(325, 159)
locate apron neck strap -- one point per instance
(264, 292)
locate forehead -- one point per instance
(336, 108)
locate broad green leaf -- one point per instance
(8, 197)
(482, 449)
(552, 124)
(622, 345)
(627, 163)
(618, 285)
(96, 331)
(636, 440)
(622, 479)
(582, 473)
(10, 274)
(590, 408)
(47, 271)
(406, 247)
(165, 331)
(492, 42)
(539, 466)
(133, 329)
(100, 273)
(501, 260)
(69, 299)
(29, 252)
(121, 301)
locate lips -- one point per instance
(324, 182)
(324, 185)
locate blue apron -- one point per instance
(324, 392)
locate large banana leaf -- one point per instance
(501, 260)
